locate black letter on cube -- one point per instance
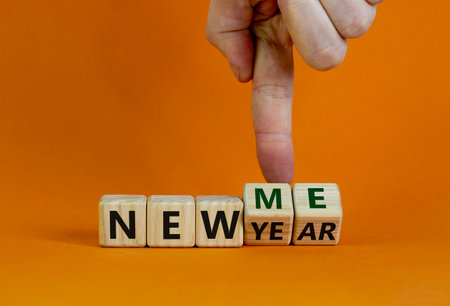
(129, 231)
(168, 225)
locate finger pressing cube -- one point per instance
(268, 214)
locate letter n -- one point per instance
(129, 231)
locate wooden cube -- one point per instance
(122, 220)
(268, 214)
(318, 214)
(219, 221)
(171, 221)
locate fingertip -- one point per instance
(242, 74)
(276, 158)
(375, 2)
(327, 58)
(279, 178)
(244, 77)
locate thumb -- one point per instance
(227, 29)
(272, 101)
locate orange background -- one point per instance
(101, 97)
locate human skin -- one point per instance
(257, 38)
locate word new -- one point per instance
(268, 214)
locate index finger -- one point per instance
(272, 108)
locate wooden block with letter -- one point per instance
(219, 221)
(318, 214)
(122, 220)
(171, 221)
(268, 214)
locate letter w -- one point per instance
(220, 218)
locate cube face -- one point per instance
(318, 214)
(122, 221)
(268, 214)
(219, 221)
(171, 221)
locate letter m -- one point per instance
(275, 196)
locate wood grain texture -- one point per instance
(268, 210)
(115, 207)
(171, 221)
(318, 214)
(219, 221)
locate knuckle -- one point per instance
(356, 24)
(328, 57)
(295, 5)
(285, 2)
(272, 91)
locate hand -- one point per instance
(256, 37)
